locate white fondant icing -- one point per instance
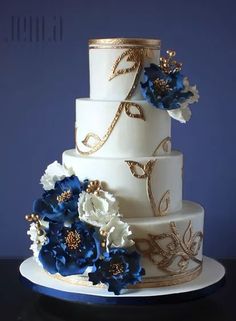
(100, 67)
(130, 136)
(142, 227)
(131, 191)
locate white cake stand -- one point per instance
(209, 280)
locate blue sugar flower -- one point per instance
(61, 203)
(164, 90)
(117, 269)
(69, 250)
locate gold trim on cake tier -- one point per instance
(149, 282)
(124, 43)
(155, 282)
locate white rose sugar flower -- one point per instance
(54, 172)
(97, 209)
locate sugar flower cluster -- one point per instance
(76, 225)
(166, 88)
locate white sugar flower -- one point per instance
(97, 209)
(183, 114)
(54, 172)
(117, 233)
(37, 240)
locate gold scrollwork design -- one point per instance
(135, 55)
(169, 251)
(165, 145)
(139, 170)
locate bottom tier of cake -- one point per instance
(170, 247)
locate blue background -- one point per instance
(40, 81)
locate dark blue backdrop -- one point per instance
(39, 82)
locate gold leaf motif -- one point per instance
(87, 140)
(164, 204)
(149, 167)
(131, 55)
(188, 235)
(165, 145)
(175, 256)
(139, 114)
(145, 171)
(135, 167)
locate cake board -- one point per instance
(211, 278)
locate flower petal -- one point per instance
(182, 114)
(53, 173)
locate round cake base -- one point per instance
(37, 279)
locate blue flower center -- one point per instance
(65, 196)
(161, 86)
(73, 240)
(116, 268)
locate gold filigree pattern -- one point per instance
(136, 55)
(169, 251)
(165, 146)
(139, 170)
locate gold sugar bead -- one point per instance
(103, 233)
(94, 187)
(40, 232)
(171, 53)
(28, 217)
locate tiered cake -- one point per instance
(124, 142)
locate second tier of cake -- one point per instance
(144, 186)
(121, 128)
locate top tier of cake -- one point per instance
(116, 66)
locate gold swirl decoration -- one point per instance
(144, 171)
(165, 146)
(169, 251)
(136, 56)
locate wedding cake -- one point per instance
(112, 213)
